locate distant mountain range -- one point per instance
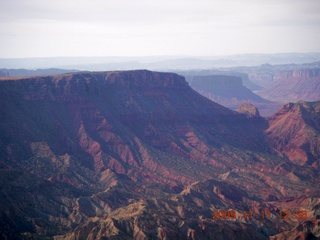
(141, 155)
(4, 72)
(158, 62)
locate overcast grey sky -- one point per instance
(46, 28)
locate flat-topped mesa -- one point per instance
(144, 78)
(132, 78)
(89, 83)
(217, 81)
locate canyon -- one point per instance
(141, 155)
(230, 92)
(294, 85)
(267, 87)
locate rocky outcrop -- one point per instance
(295, 131)
(248, 108)
(199, 212)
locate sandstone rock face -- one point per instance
(249, 109)
(295, 131)
(294, 85)
(141, 155)
(302, 73)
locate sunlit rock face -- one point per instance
(249, 109)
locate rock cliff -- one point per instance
(249, 109)
(139, 155)
(294, 85)
(295, 131)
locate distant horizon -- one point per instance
(101, 63)
(165, 56)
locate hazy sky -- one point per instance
(46, 28)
